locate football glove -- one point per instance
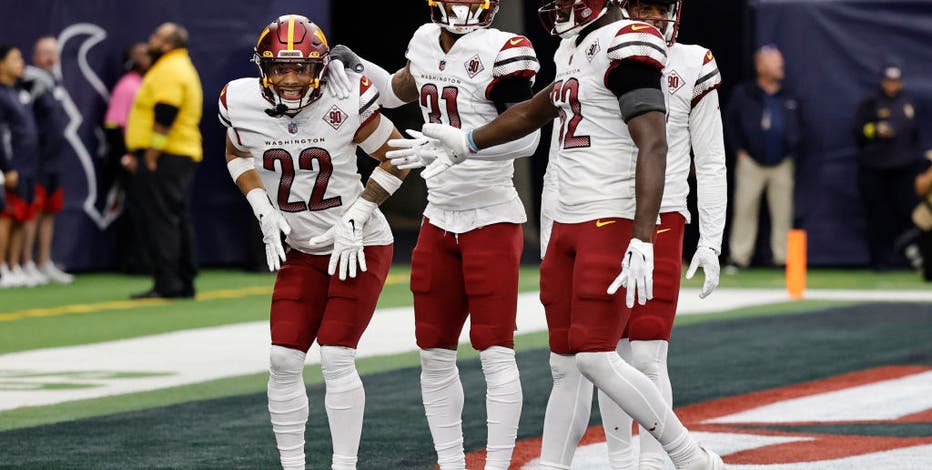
(346, 236)
(454, 141)
(417, 152)
(272, 224)
(706, 259)
(637, 273)
(342, 58)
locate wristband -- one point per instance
(473, 148)
(158, 141)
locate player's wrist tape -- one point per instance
(473, 148)
(259, 201)
(158, 141)
(378, 137)
(2, 180)
(238, 166)
(389, 182)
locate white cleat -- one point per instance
(36, 277)
(715, 461)
(54, 274)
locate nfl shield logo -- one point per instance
(443, 64)
(293, 127)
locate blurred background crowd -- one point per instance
(827, 112)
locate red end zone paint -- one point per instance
(818, 446)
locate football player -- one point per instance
(287, 136)
(463, 73)
(610, 172)
(691, 78)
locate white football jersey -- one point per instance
(691, 74)
(453, 89)
(307, 162)
(597, 157)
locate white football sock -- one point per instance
(442, 395)
(650, 357)
(503, 402)
(640, 399)
(345, 402)
(288, 404)
(567, 413)
(617, 425)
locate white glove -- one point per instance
(456, 143)
(706, 259)
(637, 273)
(347, 239)
(417, 152)
(273, 225)
(338, 82)
(342, 58)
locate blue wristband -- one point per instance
(473, 148)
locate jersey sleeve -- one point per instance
(223, 114)
(368, 102)
(516, 59)
(710, 78)
(639, 42)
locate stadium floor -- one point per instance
(743, 356)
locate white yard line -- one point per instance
(204, 354)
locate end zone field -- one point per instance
(89, 379)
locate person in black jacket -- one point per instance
(762, 127)
(889, 160)
(20, 142)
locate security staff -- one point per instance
(888, 140)
(162, 132)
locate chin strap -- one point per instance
(279, 110)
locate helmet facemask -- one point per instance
(462, 16)
(662, 14)
(292, 82)
(565, 18)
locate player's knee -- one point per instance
(438, 367)
(484, 337)
(650, 327)
(593, 364)
(498, 366)
(338, 363)
(650, 357)
(430, 336)
(563, 368)
(285, 361)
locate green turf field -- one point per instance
(223, 423)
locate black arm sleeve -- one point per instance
(165, 114)
(509, 91)
(629, 76)
(637, 87)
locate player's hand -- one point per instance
(11, 179)
(349, 58)
(456, 143)
(341, 59)
(637, 273)
(706, 259)
(416, 152)
(129, 163)
(273, 225)
(338, 82)
(347, 239)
